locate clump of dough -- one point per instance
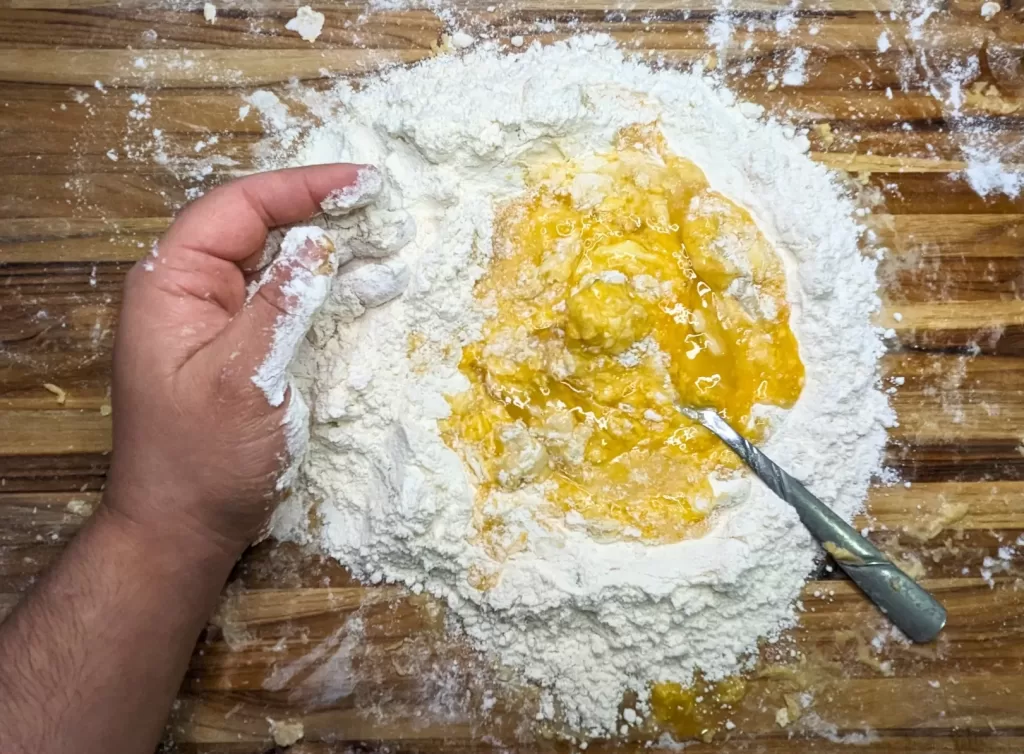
(307, 23)
(286, 732)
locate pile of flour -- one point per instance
(392, 502)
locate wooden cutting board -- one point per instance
(296, 639)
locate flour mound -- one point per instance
(450, 137)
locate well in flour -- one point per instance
(623, 286)
(586, 617)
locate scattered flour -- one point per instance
(461, 40)
(307, 23)
(720, 32)
(785, 23)
(796, 69)
(272, 110)
(987, 175)
(82, 508)
(450, 136)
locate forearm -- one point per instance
(92, 658)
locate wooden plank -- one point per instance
(832, 43)
(989, 505)
(852, 162)
(192, 68)
(44, 473)
(956, 461)
(996, 328)
(853, 31)
(30, 433)
(59, 329)
(932, 140)
(39, 535)
(41, 240)
(126, 195)
(910, 194)
(93, 396)
(535, 7)
(38, 108)
(924, 238)
(115, 27)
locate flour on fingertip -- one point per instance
(358, 194)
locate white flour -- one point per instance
(586, 619)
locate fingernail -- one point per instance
(310, 248)
(366, 186)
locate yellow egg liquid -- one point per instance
(620, 286)
(699, 710)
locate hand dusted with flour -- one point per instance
(198, 444)
(587, 617)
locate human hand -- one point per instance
(198, 447)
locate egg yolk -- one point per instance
(620, 286)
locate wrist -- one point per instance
(163, 525)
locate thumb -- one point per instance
(265, 334)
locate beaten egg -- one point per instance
(620, 285)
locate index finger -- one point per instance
(231, 222)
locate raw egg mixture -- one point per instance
(621, 285)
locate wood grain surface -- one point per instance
(296, 639)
